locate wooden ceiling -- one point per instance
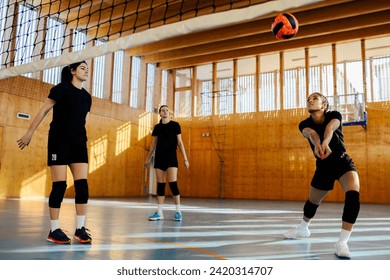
(320, 23)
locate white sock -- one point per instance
(80, 221)
(304, 225)
(160, 209)
(55, 224)
(344, 235)
(178, 208)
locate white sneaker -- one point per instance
(295, 232)
(341, 250)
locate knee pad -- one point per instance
(351, 206)
(174, 188)
(81, 191)
(309, 209)
(57, 194)
(160, 189)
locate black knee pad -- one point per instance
(174, 188)
(57, 194)
(81, 191)
(351, 206)
(309, 209)
(160, 189)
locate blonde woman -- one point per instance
(323, 130)
(166, 138)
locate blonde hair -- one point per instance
(324, 100)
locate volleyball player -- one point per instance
(323, 129)
(166, 138)
(67, 146)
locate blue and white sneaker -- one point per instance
(156, 217)
(177, 217)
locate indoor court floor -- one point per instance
(212, 229)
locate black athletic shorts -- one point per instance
(64, 151)
(330, 170)
(164, 160)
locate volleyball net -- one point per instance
(37, 34)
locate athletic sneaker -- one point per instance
(341, 250)
(156, 217)
(177, 217)
(58, 237)
(82, 235)
(295, 232)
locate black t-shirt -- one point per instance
(337, 142)
(166, 136)
(70, 111)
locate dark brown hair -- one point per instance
(66, 74)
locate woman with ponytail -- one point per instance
(67, 146)
(166, 139)
(323, 130)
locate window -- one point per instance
(150, 88)
(224, 95)
(53, 48)
(206, 98)
(183, 103)
(327, 87)
(27, 26)
(268, 91)
(135, 76)
(294, 79)
(164, 87)
(314, 79)
(79, 40)
(378, 69)
(380, 79)
(98, 74)
(290, 89)
(246, 91)
(3, 13)
(117, 83)
(269, 98)
(183, 92)
(246, 94)
(204, 90)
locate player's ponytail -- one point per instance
(66, 74)
(325, 100)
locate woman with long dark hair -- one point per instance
(67, 146)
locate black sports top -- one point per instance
(166, 136)
(70, 111)
(337, 142)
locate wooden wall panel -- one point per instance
(26, 170)
(202, 178)
(111, 173)
(268, 174)
(244, 173)
(378, 174)
(296, 172)
(283, 163)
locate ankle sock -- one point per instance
(54, 224)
